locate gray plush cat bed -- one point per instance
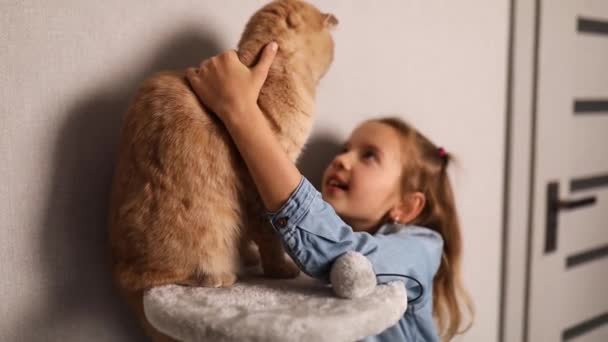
(261, 309)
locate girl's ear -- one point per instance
(409, 209)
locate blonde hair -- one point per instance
(425, 170)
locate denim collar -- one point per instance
(390, 228)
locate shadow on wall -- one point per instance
(318, 153)
(74, 244)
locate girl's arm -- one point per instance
(231, 90)
(275, 176)
(313, 234)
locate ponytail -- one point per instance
(425, 170)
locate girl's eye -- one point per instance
(369, 155)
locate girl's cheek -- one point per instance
(327, 169)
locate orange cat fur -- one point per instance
(182, 202)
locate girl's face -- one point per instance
(362, 182)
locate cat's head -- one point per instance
(302, 31)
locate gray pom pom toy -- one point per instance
(352, 276)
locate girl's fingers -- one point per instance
(233, 54)
(204, 62)
(192, 75)
(191, 72)
(263, 65)
(194, 79)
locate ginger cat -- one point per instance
(183, 204)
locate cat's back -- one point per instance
(176, 186)
(166, 116)
(173, 165)
(168, 98)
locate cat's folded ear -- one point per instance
(330, 21)
(294, 20)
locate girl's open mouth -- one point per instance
(335, 185)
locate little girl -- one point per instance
(386, 195)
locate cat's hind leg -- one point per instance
(217, 251)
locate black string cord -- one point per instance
(404, 276)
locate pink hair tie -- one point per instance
(442, 152)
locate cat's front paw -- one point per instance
(250, 255)
(282, 269)
(213, 280)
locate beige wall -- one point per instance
(68, 69)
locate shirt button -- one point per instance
(282, 222)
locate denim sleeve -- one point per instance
(314, 236)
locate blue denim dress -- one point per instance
(314, 236)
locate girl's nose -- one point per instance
(342, 161)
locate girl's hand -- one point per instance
(228, 87)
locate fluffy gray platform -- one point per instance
(257, 309)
